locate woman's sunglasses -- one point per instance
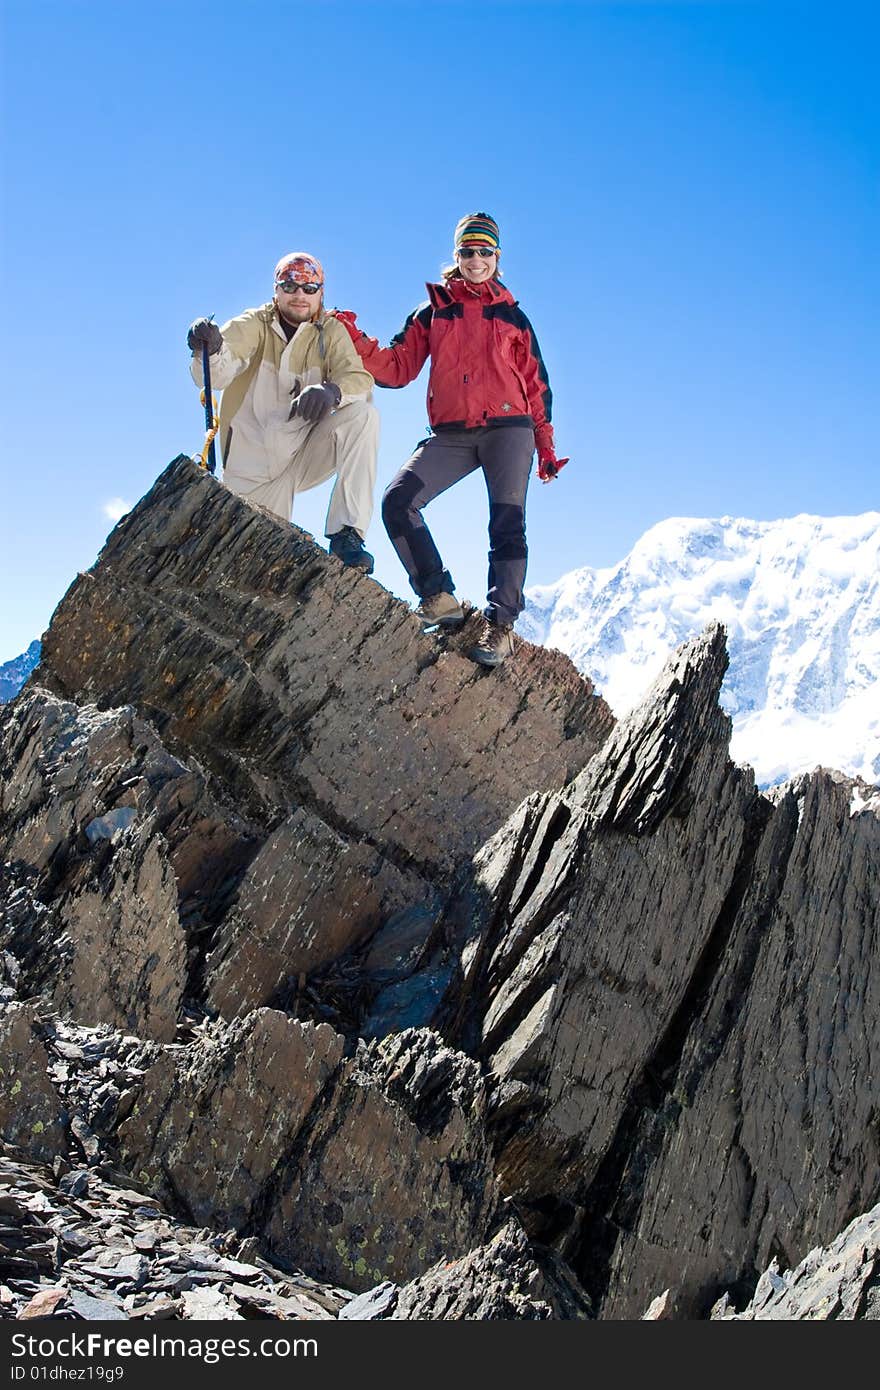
(290, 287)
(467, 251)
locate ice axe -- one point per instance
(208, 457)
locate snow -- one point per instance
(859, 802)
(13, 674)
(800, 599)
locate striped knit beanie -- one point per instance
(477, 229)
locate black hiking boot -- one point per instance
(348, 547)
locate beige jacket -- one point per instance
(257, 370)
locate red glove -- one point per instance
(548, 464)
(349, 320)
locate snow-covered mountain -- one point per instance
(13, 674)
(800, 599)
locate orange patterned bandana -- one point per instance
(300, 267)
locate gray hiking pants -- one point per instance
(504, 452)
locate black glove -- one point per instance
(314, 402)
(204, 331)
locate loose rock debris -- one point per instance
(112, 1252)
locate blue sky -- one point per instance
(689, 199)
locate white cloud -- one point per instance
(116, 508)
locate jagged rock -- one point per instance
(107, 937)
(372, 1305)
(660, 968)
(31, 1115)
(397, 1173)
(70, 767)
(647, 1004)
(303, 683)
(213, 1121)
(505, 1278)
(309, 896)
(21, 924)
(96, 1074)
(376, 1164)
(841, 1282)
(212, 619)
(576, 972)
(661, 1308)
(759, 1147)
(124, 948)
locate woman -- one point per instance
(489, 406)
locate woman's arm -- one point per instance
(403, 359)
(343, 366)
(540, 398)
(534, 373)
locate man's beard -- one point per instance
(307, 314)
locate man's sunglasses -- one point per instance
(467, 251)
(291, 286)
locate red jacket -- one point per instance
(486, 366)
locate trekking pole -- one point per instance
(212, 422)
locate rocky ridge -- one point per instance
(838, 1283)
(433, 984)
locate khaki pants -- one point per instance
(344, 443)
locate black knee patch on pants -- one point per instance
(397, 503)
(507, 531)
(410, 536)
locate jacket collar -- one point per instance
(458, 291)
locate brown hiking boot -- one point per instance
(440, 610)
(494, 646)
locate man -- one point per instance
(296, 405)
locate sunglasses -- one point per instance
(467, 251)
(291, 286)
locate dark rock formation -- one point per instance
(430, 982)
(358, 1170)
(91, 1239)
(661, 969)
(31, 1114)
(839, 1283)
(305, 684)
(309, 895)
(128, 853)
(315, 699)
(506, 1278)
(766, 1140)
